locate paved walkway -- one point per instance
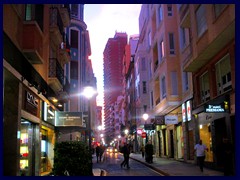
(169, 167)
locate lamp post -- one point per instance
(145, 118)
(126, 133)
(89, 92)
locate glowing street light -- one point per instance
(145, 116)
(89, 92)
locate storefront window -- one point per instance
(44, 151)
(205, 135)
(26, 148)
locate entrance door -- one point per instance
(171, 144)
(27, 150)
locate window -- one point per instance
(34, 12)
(149, 39)
(74, 10)
(182, 38)
(185, 81)
(169, 8)
(144, 87)
(145, 108)
(151, 98)
(161, 51)
(174, 83)
(160, 14)
(204, 87)
(74, 70)
(163, 87)
(218, 9)
(223, 74)
(171, 43)
(74, 39)
(201, 20)
(143, 64)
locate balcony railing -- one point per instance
(65, 14)
(56, 75)
(56, 26)
(157, 101)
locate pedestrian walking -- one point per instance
(143, 151)
(101, 152)
(98, 149)
(126, 152)
(200, 153)
(149, 152)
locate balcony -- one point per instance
(63, 94)
(56, 27)
(32, 44)
(64, 52)
(184, 15)
(56, 75)
(65, 14)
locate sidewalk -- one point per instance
(170, 167)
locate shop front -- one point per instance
(29, 134)
(214, 124)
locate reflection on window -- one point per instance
(223, 75)
(204, 87)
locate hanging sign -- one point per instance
(171, 119)
(183, 112)
(189, 113)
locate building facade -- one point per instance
(190, 49)
(34, 85)
(113, 55)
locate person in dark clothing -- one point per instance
(126, 153)
(149, 152)
(143, 151)
(98, 149)
(101, 152)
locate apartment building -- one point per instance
(207, 36)
(34, 55)
(79, 72)
(39, 84)
(190, 49)
(112, 59)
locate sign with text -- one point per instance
(149, 127)
(70, 119)
(30, 103)
(159, 120)
(171, 119)
(214, 108)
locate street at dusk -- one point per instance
(119, 90)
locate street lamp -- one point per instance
(126, 133)
(89, 92)
(145, 118)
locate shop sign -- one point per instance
(189, 113)
(183, 112)
(171, 119)
(139, 131)
(144, 134)
(31, 103)
(149, 127)
(70, 119)
(159, 120)
(214, 108)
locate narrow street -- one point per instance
(111, 165)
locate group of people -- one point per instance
(99, 152)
